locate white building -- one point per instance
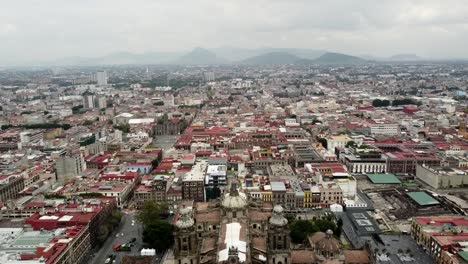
(216, 175)
(101, 77)
(88, 101)
(31, 137)
(100, 102)
(337, 142)
(388, 129)
(208, 76)
(69, 166)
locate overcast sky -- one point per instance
(48, 29)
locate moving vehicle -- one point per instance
(122, 247)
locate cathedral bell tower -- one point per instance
(186, 244)
(278, 240)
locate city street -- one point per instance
(127, 230)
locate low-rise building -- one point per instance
(443, 237)
(10, 186)
(67, 245)
(193, 182)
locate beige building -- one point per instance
(442, 177)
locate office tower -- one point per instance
(88, 101)
(100, 102)
(101, 77)
(208, 76)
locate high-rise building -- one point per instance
(70, 166)
(100, 102)
(88, 101)
(92, 101)
(208, 76)
(101, 77)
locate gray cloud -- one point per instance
(32, 30)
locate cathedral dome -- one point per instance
(234, 199)
(328, 244)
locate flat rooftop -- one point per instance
(422, 198)
(383, 179)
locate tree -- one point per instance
(339, 227)
(380, 103)
(154, 164)
(323, 141)
(151, 212)
(125, 128)
(87, 123)
(324, 224)
(103, 233)
(213, 193)
(115, 218)
(159, 235)
(350, 144)
(300, 229)
(405, 101)
(91, 195)
(76, 109)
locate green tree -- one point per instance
(91, 195)
(76, 109)
(125, 128)
(323, 141)
(213, 193)
(405, 101)
(151, 212)
(103, 233)
(324, 224)
(115, 218)
(159, 235)
(300, 230)
(87, 123)
(350, 144)
(380, 103)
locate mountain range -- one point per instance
(231, 55)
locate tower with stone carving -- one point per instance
(278, 241)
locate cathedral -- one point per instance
(236, 231)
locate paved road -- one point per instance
(165, 142)
(130, 230)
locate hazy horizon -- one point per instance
(33, 31)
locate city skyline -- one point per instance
(361, 28)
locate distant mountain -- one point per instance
(405, 57)
(239, 54)
(200, 56)
(272, 58)
(338, 58)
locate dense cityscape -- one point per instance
(250, 163)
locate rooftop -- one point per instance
(422, 198)
(383, 179)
